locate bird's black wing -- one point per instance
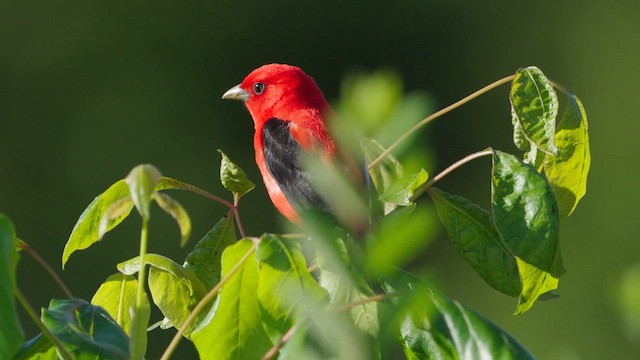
(284, 156)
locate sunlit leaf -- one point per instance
(443, 328)
(403, 188)
(235, 331)
(174, 289)
(11, 335)
(86, 331)
(284, 282)
(38, 348)
(173, 208)
(115, 213)
(474, 236)
(535, 107)
(526, 217)
(385, 172)
(117, 295)
(233, 178)
(87, 229)
(142, 181)
(400, 237)
(204, 259)
(567, 171)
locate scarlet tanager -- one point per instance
(289, 115)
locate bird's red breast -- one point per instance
(289, 114)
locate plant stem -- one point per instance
(32, 314)
(34, 254)
(236, 215)
(438, 114)
(271, 353)
(372, 298)
(204, 301)
(446, 171)
(136, 346)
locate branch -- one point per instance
(276, 348)
(438, 114)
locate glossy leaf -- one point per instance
(403, 188)
(174, 289)
(399, 238)
(283, 283)
(438, 327)
(11, 335)
(534, 109)
(86, 331)
(38, 348)
(235, 330)
(567, 171)
(142, 181)
(173, 208)
(233, 178)
(87, 229)
(476, 239)
(117, 295)
(526, 217)
(204, 259)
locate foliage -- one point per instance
(340, 290)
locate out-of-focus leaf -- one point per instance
(173, 208)
(86, 231)
(142, 181)
(86, 331)
(204, 259)
(443, 328)
(117, 295)
(476, 239)
(400, 237)
(567, 171)
(526, 217)
(174, 289)
(233, 178)
(11, 335)
(383, 174)
(235, 331)
(284, 282)
(38, 348)
(626, 297)
(535, 107)
(402, 189)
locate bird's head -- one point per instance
(278, 90)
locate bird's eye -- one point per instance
(258, 88)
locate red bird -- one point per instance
(289, 115)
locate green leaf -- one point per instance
(115, 213)
(402, 189)
(441, 328)
(400, 237)
(526, 217)
(87, 229)
(235, 330)
(11, 335)
(174, 289)
(534, 107)
(173, 208)
(567, 171)
(204, 259)
(474, 236)
(142, 181)
(283, 284)
(86, 331)
(38, 348)
(233, 178)
(117, 295)
(385, 172)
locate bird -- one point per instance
(290, 116)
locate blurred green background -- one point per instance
(89, 89)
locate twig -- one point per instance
(276, 348)
(438, 114)
(236, 215)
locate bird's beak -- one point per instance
(236, 93)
